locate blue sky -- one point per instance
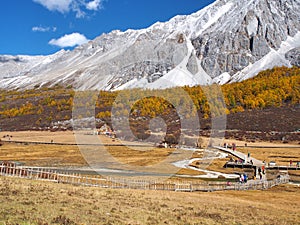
(41, 27)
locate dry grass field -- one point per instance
(38, 136)
(42, 155)
(68, 155)
(29, 202)
(52, 155)
(40, 203)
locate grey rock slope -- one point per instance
(230, 40)
(246, 36)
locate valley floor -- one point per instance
(31, 202)
(37, 202)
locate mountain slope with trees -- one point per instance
(273, 93)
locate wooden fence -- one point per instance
(98, 181)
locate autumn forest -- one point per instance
(277, 87)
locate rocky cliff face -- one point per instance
(246, 36)
(229, 40)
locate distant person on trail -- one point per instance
(245, 178)
(233, 146)
(259, 171)
(263, 169)
(291, 162)
(241, 178)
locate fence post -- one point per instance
(79, 178)
(14, 171)
(9, 171)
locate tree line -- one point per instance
(277, 87)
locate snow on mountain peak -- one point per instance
(229, 40)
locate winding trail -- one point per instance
(209, 174)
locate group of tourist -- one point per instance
(233, 146)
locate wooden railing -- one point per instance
(98, 181)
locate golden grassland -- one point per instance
(29, 202)
(42, 155)
(70, 155)
(36, 202)
(41, 136)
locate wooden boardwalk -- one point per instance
(256, 162)
(98, 181)
(240, 155)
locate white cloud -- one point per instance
(69, 40)
(43, 29)
(79, 7)
(56, 5)
(75, 7)
(94, 5)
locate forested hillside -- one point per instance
(39, 108)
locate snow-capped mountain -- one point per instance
(228, 41)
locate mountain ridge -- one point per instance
(227, 41)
